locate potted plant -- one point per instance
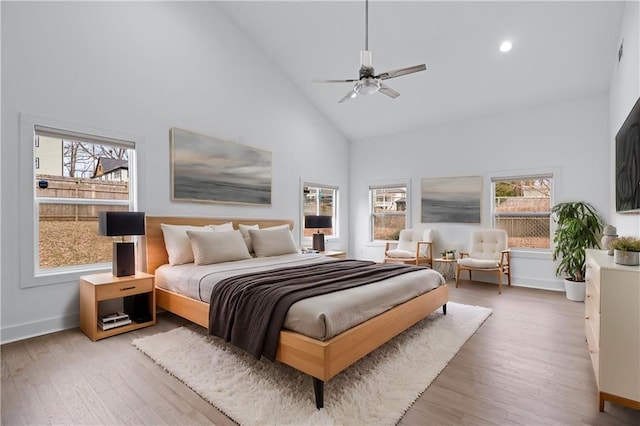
(579, 227)
(626, 251)
(448, 254)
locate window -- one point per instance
(320, 200)
(388, 207)
(522, 207)
(69, 191)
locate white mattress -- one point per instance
(321, 317)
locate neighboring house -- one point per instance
(391, 201)
(112, 169)
(48, 156)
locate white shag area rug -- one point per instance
(377, 390)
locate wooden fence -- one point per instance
(81, 188)
(525, 226)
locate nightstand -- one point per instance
(334, 253)
(100, 287)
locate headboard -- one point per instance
(155, 249)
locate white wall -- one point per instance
(567, 138)
(623, 94)
(142, 68)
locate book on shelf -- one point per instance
(104, 326)
(114, 317)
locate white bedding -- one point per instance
(321, 317)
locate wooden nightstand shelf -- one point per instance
(100, 287)
(335, 253)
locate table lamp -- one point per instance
(121, 224)
(318, 222)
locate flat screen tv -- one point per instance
(628, 163)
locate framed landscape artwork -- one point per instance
(208, 169)
(451, 199)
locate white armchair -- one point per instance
(489, 252)
(414, 247)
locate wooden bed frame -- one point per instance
(321, 360)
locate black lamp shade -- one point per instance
(118, 224)
(318, 222)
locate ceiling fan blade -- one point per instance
(402, 71)
(351, 94)
(388, 91)
(335, 81)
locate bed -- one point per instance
(321, 359)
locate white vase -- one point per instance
(626, 257)
(575, 290)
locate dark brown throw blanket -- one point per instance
(248, 310)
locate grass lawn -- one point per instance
(68, 243)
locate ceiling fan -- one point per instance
(369, 83)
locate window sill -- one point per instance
(62, 276)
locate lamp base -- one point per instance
(124, 259)
(318, 242)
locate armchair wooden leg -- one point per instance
(457, 275)
(500, 283)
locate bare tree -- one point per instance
(81, 158)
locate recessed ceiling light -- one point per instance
(505, 46)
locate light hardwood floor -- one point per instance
(528, 364)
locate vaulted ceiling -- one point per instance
(561, 50)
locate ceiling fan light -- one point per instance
(368, 86)
(505, 46)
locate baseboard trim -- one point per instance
(23, 331)
(517, 281)
(553, 285)
(537, 287)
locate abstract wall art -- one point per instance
(208, 169)
(451, 199)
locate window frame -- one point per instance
(306, 241)
(32, 275)
(552, 174)
(390, 183)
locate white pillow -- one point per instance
(244, 229)
(217, 247)
(272, 242)
(177, 243)
(285, 226)
(225, 227)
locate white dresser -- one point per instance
(612, 325)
